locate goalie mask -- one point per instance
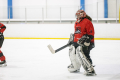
(80, 14)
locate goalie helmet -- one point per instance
(80, 14)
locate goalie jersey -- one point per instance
(83, 27)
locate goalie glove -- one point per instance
(84, 40)
(86, 44)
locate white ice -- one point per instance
(30, 59)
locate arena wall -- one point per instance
(57, 31)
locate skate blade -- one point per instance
(77, 71)
(3, 65)
(73, 71)
(90, 74)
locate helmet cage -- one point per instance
(80, 14)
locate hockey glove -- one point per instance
(87, 43)
(84, 40)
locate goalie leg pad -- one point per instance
(74, 65)
(83, 60)
(77, 59)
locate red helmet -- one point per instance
(80, 14)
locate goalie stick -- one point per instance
(54, 51)
(69, 43)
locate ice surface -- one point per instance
(30, 59)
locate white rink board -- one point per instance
(58, 30)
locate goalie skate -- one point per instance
(88, 72)
(71, 69)
(3, 64)
(88, 67)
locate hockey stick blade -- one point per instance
(51, 49)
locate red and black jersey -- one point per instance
(83, 27)
(2, 27)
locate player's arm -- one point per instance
(2, 28)
(90, 32)
(86, 38)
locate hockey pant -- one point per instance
(75, 63)
(2, 57)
